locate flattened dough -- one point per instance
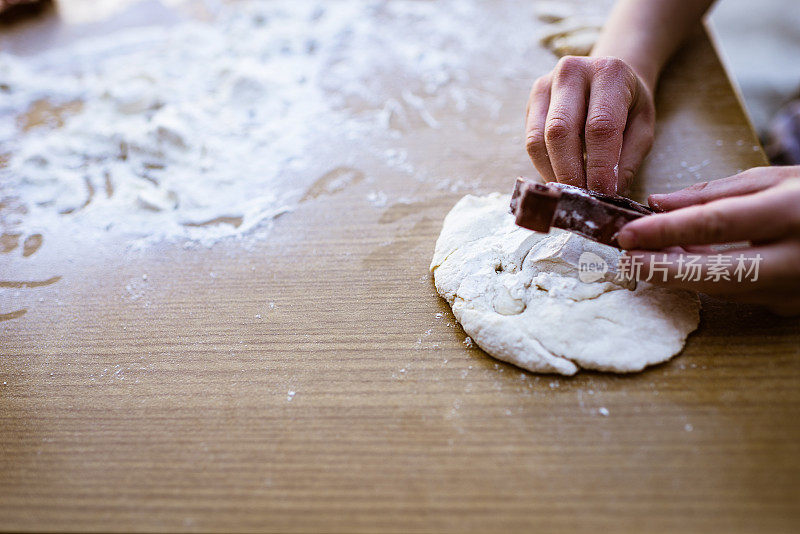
(517, 294)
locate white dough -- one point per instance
(517, 294)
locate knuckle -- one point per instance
(602, 124)
(614, 68)
(699, 186)
(557, 129)
(534, 143)
(714, 225)
(569, 65)
(611, 65)
(535, 138)
(666, 232)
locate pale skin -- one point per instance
(590, 123)
(759, 208)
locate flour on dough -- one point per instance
(517, 294)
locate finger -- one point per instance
(763, 216)
(610, 98)
(538, 104)
(565, 119)
(741, 272)
(744, 183)
(636, 143)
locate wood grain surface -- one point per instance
(314, 381)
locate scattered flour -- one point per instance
(201, 130)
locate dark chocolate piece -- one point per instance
(593, 215)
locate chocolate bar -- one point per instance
(593, 215)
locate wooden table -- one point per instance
(316, 382)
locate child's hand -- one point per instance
(760, 206)
(601, 100)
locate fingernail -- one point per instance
(626, 239)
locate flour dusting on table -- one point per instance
(203, 130)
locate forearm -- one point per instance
(645, 33)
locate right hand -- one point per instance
(758, 210)
(599, 101)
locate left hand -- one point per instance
(600, 104)
(760, 206)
